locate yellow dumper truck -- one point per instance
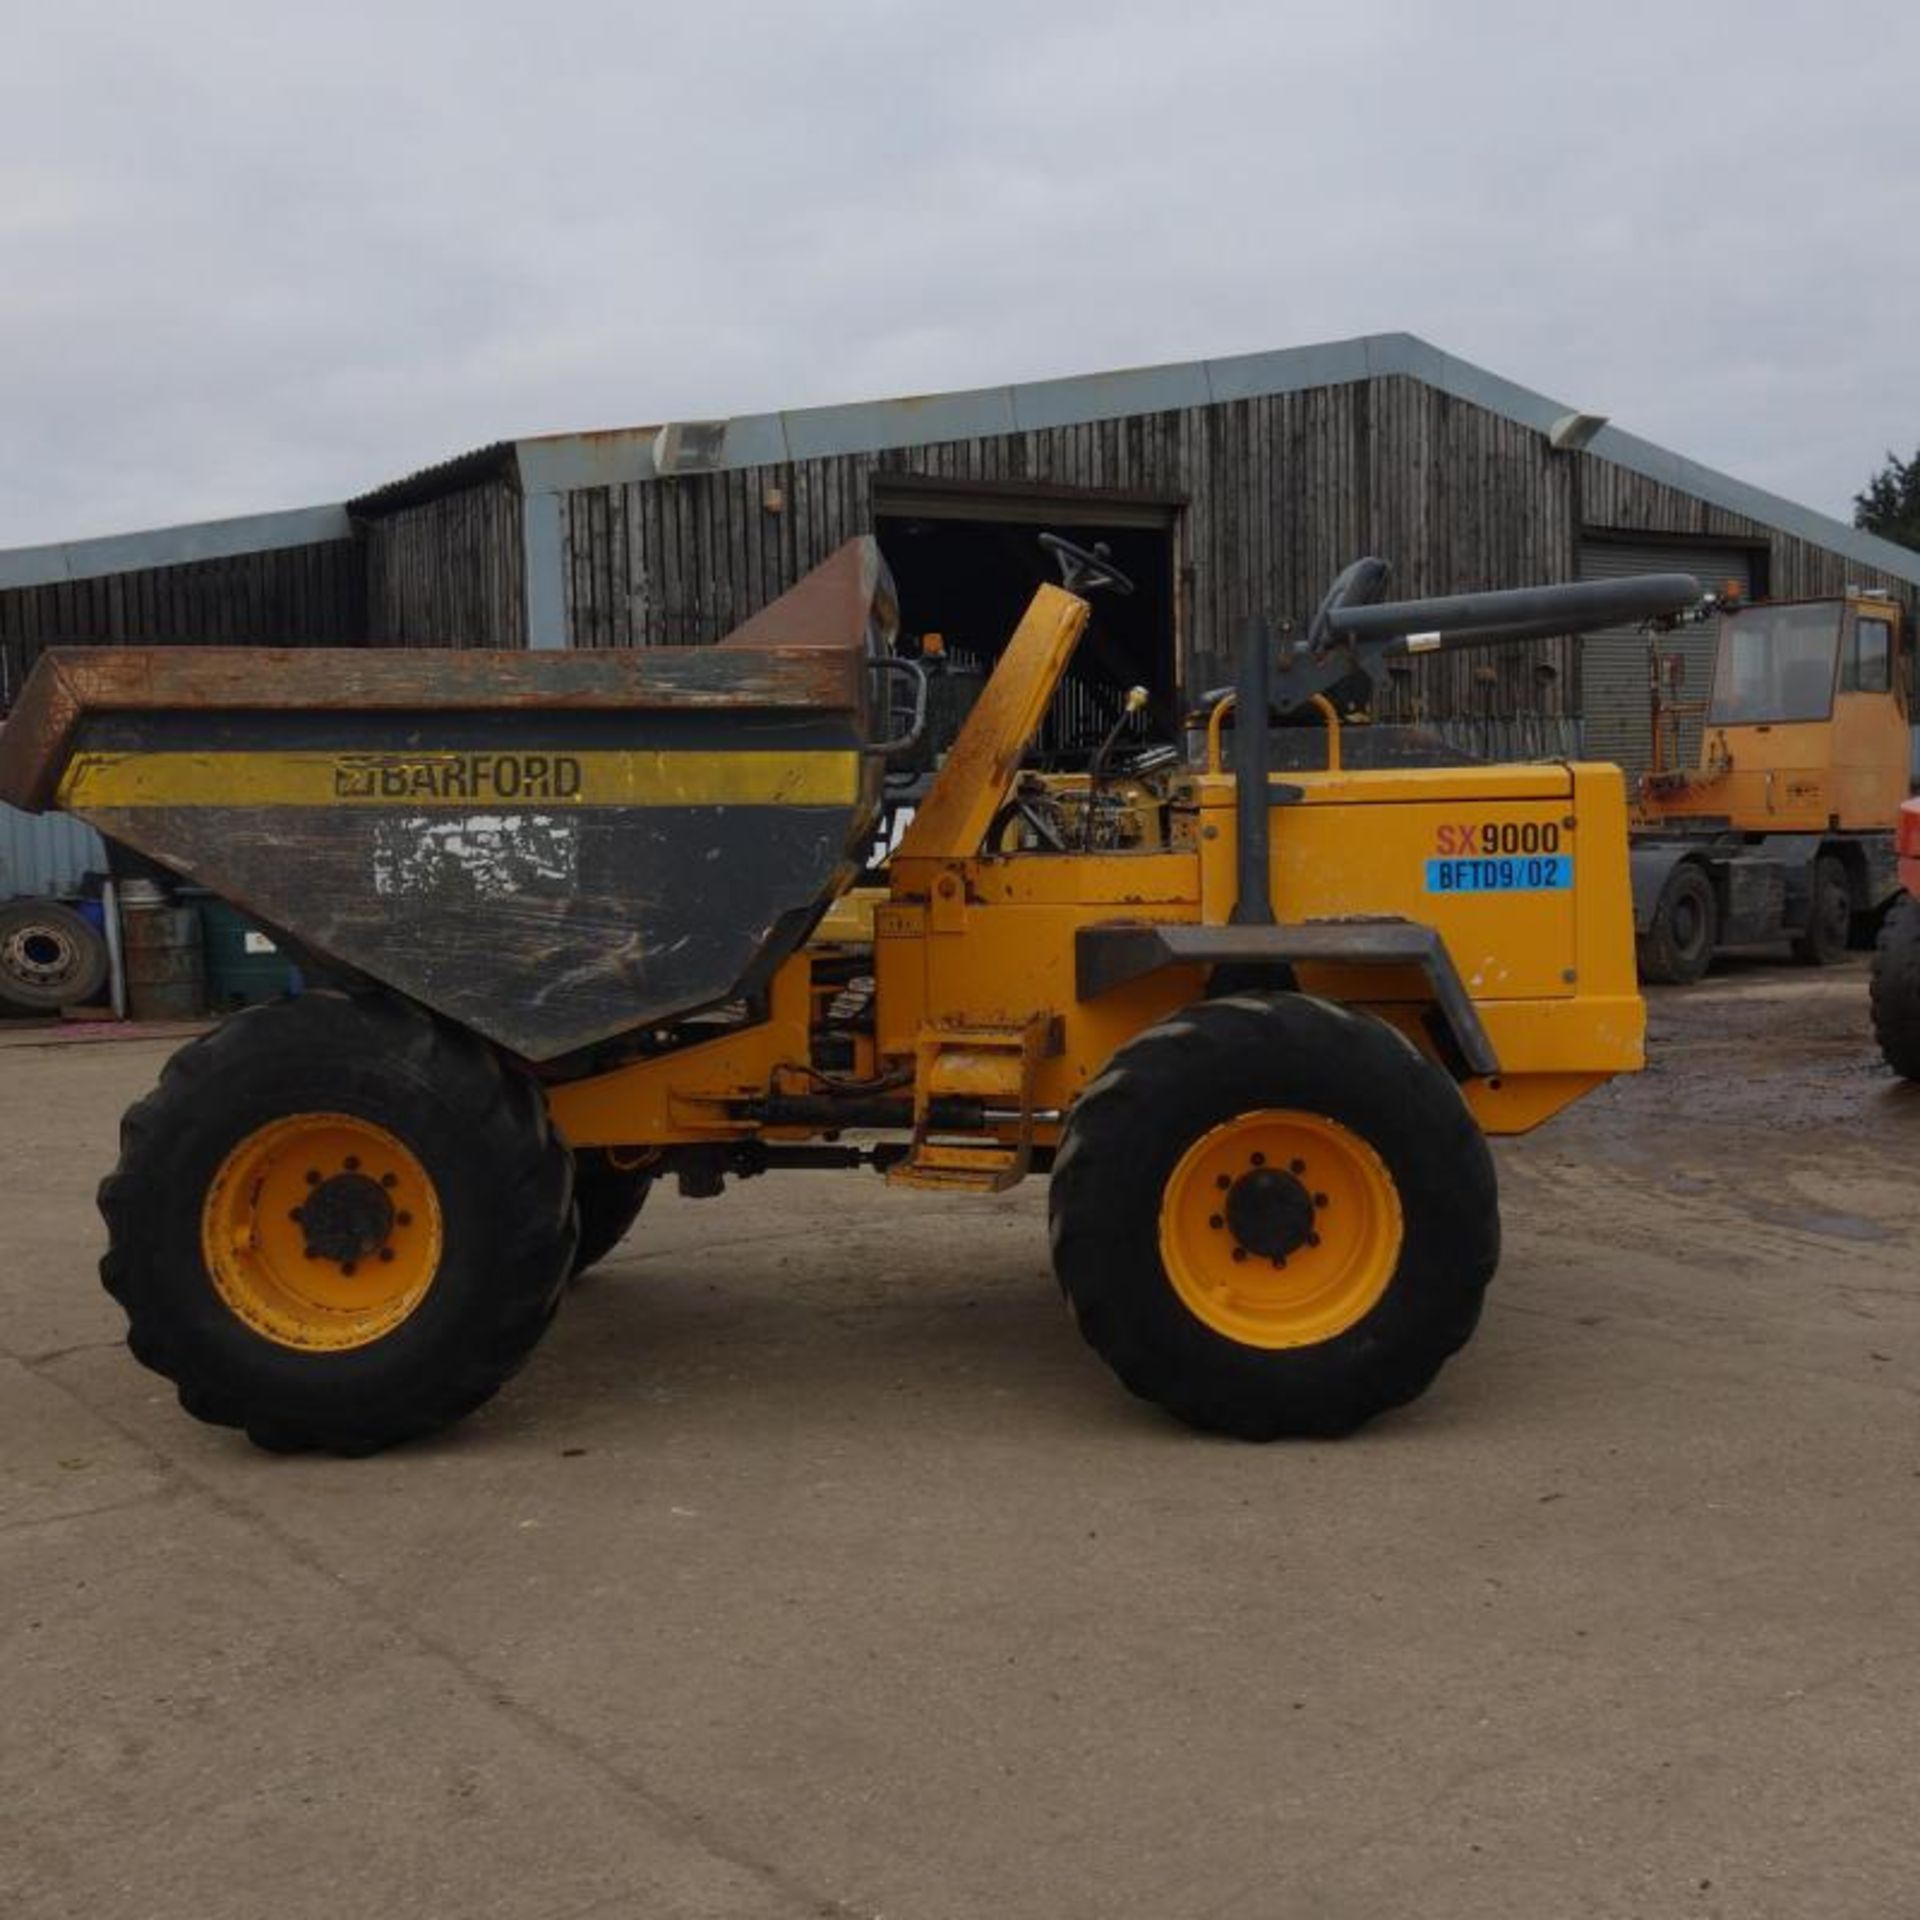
(567, 911)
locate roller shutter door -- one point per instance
(1613, 661)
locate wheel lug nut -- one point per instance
(1239, 1253)
(1319, 1199)
(313, 1253)
(386, 1253)
(296, 1213)
(1224, 1182)
(1216, 1222)
(313, 1176)
(1296, 1166)
(1259, 1159)
(1313, 1239)
(352, 1163)
(347, 1266)
(403, 1219)
(1279, 1259)
(389, 1179)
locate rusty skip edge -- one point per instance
(807, 651)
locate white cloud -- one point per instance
(253, 257)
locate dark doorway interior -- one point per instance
(966, 565)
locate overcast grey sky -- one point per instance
(264, 255)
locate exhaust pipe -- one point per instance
(1253, 687)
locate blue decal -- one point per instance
(1520, 873)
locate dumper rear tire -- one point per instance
(608, 1198)
(1895, 990)
(337, 1223)
(1274, 1216)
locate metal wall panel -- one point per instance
(1614, 664)
(44, 854)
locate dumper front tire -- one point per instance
(337, 1224)
(1274, 1216)
(1895, 988)
(608, 1198)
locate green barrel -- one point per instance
(244, 966)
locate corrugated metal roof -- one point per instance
(171, 546)
(577, 460)
(428, 483)
(553, 463)
(42, 854)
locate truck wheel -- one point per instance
(1677, 948)
(608, 1198)
(337, 1224)
(50, 957)
(1895, 990)
(1824, 939)
(1272, 1215)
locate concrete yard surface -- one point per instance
(814, 1568)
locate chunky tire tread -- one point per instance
(506, 1184)
(1823, 942)
(608, 1199)
(1894, 992)
(1234, 1055)
(1662, 960)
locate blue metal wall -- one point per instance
(45, 853)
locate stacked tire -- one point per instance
(50, 957)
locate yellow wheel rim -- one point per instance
(321, 1231)
(1280, 1229)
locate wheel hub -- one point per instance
(322, 1231)
(39, 955)
(1270, 1214)
(347, 1218)
(1280, 1227)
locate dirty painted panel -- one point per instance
(551, 849)
(545, 937)
(45, 855)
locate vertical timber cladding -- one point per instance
(448, 570)
(313, 595)
(1280, 492)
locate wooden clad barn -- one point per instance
(1224, 486)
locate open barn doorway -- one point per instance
(966, 558)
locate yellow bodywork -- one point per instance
(1846, 773)
(431, 778)
(973, 954)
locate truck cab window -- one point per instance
(1867, 666)
(1776, 665)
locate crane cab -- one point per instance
(1805, 729)
(1779, 831)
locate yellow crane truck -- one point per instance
(568, 909)
(1780, 831)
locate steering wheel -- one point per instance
(1084, 570)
